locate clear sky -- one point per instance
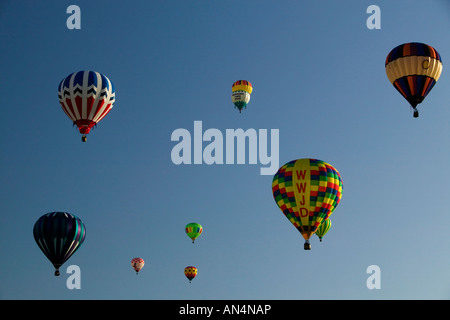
(318, 77)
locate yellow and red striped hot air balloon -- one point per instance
(241, 91)
(413, 68)
(307, 191)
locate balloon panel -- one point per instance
(414, 65)
(242, 85)
(412, 49)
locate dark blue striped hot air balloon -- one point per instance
(413, 69)
(59, 235)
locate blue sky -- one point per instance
(318, 77)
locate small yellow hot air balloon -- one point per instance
(241, 91)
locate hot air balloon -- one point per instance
(190, 272)
(241, 91)
(307, 192)
(137, 264)
(193, 230)
(86, 97)
(59, 235)
(413, 68)
(323, 228)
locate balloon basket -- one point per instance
(56, 272)
(83, 138)
(307, 246)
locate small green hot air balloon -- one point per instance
(194, 230)
(323, 228)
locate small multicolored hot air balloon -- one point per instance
(59, 235)
(190, 272)
(307, 192)
(86, 97)
(323, 228)
(137, 264)
(241, 91)
(413, 68)
(193, 230)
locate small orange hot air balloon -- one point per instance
(190, 272)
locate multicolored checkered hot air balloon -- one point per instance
(241, 91)
(323, 228)
(190, 272)
(413, 68)
(307, 192)
(86, 97)
(59, 235)
(137, 264)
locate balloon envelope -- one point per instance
(86, 97)
(59, 235)
(307, 191)
(413, 69)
